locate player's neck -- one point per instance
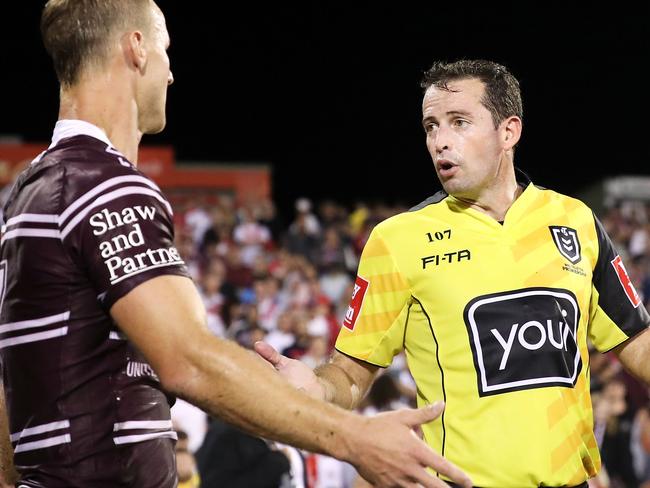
(112, 110)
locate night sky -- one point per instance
(328, 92)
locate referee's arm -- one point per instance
(346, 380)
(343, 381)
(635, 355)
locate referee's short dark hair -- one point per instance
(77, 34)
(502, 95)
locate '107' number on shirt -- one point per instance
(438, 236)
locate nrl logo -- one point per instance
(566, 240)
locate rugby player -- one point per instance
(100, 325)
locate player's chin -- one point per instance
(154, 126)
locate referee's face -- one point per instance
(464, 144)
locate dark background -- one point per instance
(328, 92)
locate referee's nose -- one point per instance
(170, 78)
(442, 139)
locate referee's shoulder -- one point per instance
(555, 197)
(425, 209)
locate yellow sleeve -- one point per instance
(373, 327)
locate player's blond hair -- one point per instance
(77, 33)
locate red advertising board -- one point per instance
(158, 162)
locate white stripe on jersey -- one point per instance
(40, 429)
(129, 439)
(30, 217)
(28, 324)
(142, 424)
(115, 194)
(12, 234)
(38, 158)
(38, 336)
(100, 188)
(120, 156)
(111, 150)
(161, 265)
(49, 442)
(116, 336)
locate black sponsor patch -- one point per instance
(524, 339)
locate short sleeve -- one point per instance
(616, 312)
(374, 324)
(122, 238)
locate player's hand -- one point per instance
(389, 454)
(297, 373)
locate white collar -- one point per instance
(70, 128)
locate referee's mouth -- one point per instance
(446, 168)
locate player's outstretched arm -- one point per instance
(8, 474)
(165, 319)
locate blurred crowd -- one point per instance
(621, 403)
(288, 282)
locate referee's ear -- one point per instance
(510, 132)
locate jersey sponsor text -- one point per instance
(121, 267)
(448, 257)
(524, 339)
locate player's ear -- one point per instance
(134, 50)
(510, 131)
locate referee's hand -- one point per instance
(297, 373)
(396, 457)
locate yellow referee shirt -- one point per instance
(494, 319)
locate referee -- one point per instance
(492, 288)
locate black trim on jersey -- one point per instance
(521, 177)
(613, 299)
(357, 359)
(442, 377)
(436, 198)
(406, 322)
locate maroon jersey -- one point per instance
(83, 227)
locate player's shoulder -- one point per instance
(72, 167)
(84, 158)
(89, 167)
(95, 177)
